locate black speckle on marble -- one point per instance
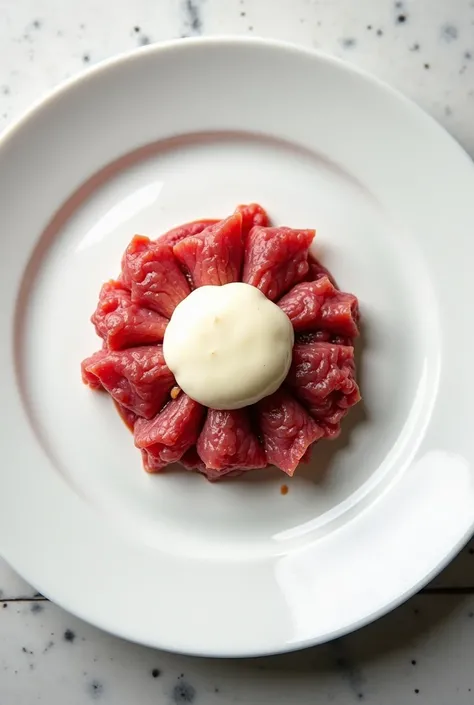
(463, 69)
(426, 66)
(36, 607)
(69, 636)
(48, 647)
(369, 27)
(136, 29)
(349, 671)
(471, 551)
(37, 24)
(399, 5)
(379, 32)
(470, 615)
(86, 58)
(468, 57)
(5, 605)
(250, 28)
(413, 663)
(156, 673)
(348, 42)
(192, 16)
(183, 693)
(415, 47)
(401, 19)
(216, 690)
(144, 40)
(243, 14)
(95, 689)
(82, 25)
(27, 651)
(449, 32)
(417, 691)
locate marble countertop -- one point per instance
(422, 652)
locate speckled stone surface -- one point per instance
(421, 653)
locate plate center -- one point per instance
(200, 176)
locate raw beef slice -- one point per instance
(287, 430)
(137, 379)
(318, 305)
(166, 438)
(122, 324)
(172, 237)
(214, 256)
(150, 271)
(276, 258)
(227, 442)
(322, 376)
(252, 214)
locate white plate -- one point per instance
(190, 129)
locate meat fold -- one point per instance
(123, 324)
(287, 430)
(322, 376)
(252, 214)
(227, 442)
(276, 258)
(318, 305)
(175, 235)
(137, 379)
(214, 256)
(165, 438)
(151, 272)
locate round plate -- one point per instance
(187, 130)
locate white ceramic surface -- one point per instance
(402, 474)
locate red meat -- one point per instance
(150, 271)
(227, 442)
(318, 270)
(122, 324)
(172, 237)
(214, 257)
(323, 336)
(137, 378)
(287, 430)
(168, 436)
(322, 376)
(127, 416)
(252, 214)
(318, 305)
(192, 461)
(132, 315)
(276, 258)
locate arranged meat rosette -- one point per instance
(263, 304)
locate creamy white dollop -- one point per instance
(228, 346)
